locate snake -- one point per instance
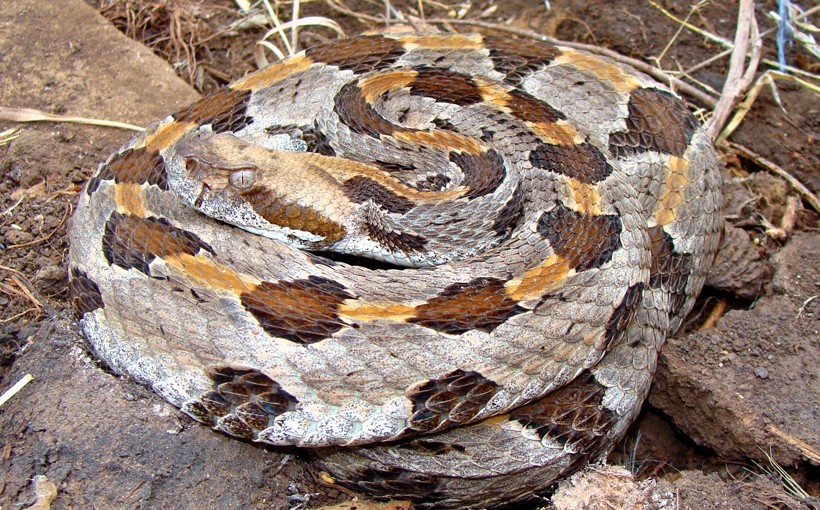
(442, 265)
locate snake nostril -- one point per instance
(196, 170)
(193, 169)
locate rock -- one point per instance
(730, 407)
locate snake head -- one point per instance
(275, 193)
(222, 161)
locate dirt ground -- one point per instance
(731, 398)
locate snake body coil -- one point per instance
(540, 219)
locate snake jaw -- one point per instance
(200, 198)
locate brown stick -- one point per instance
(714, 315)
(806, 449)
(733, 87)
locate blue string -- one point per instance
(784, 32)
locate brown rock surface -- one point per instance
(751, 383)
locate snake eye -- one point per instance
(242, 179)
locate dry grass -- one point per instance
(289, 45)
(177, 30)
(794, 494)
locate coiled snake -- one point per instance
(537, 220)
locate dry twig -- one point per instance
(26, 292)
(804, 305)
(784, 231)
(683, 24)
(740, 76)
(66, 213)
(290, 44)
(19, 385)
(343, 9)
(32, 115)
(714, 315)
(8, 135)
(798, 186)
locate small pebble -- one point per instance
(762, 373)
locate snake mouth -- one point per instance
(200, 198)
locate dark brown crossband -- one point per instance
(510, 215)
(132, 166)
(292, 130)
(670, 270)
(455, 397)
(234, 426)
(243, 400)
(433, 183)
(583, 162)
(358, 54)
(84, 292)
(431, 447)
(395, 167)
(302, 311)
(357, 114)
(210, 406)
(360, 189)
(657, 121)
(383, 481)
(319, 143)
(571, 416)
(134, 242)
(444, 125)
(445, 86)
(225, 110)
(394, 240)
(516, 59)
(478, 304)
(487, 135)
(270, 205)
(483, 173)
(623, 315)
(529, 109)
(586, 241)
